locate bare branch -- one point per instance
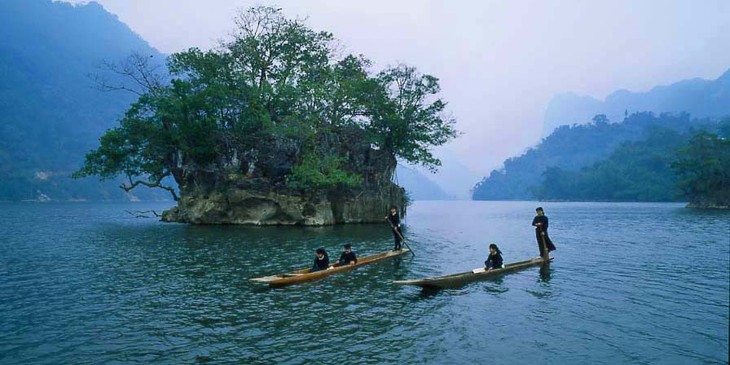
(142, 214)
(156, 184)
(145, 76)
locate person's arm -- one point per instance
(354, 258)
(535, 221)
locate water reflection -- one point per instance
(545, 273)
(428, 292)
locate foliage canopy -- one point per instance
(275, 102)
(703, 167)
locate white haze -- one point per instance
(499, 61)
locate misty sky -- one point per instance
(499, 62)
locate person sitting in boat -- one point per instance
(348, 257)
(321, 260)
(494, 261)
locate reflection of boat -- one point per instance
(457, 280)
(300, 276)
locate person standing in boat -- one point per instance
(348, 257)
(321, 260)
(394, 218)
(540, 222)
(494, 261)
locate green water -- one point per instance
(631, 283)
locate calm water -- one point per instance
(631, 283)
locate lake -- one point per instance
(639, 283)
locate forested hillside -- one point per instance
(637, 154)
(51, 110)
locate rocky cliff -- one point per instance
(237, 204)
(241, 193)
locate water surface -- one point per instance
(84, 283)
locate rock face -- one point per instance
(214, 196)
(236, 205)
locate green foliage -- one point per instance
(703, 167)
(51, 112)
(724, 128)
(635, 171)
(316, 172)
(563, 154)
(408, 119)
(275, 103)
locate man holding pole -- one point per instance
(540, 222)
(394, 218)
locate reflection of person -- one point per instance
(494, 261)
(541, 233)
(321, 261)
(348, 257)
(394, 218)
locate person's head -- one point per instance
(493, 248)
(348, 247)
(539, 211)
(320, 252)
(393, 209)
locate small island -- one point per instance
(273, 128)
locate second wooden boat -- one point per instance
(300, 276)
(460, 279)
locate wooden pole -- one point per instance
(546, 253)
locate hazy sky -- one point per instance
(499, 62)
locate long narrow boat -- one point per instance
(460, 279)
(300, 276)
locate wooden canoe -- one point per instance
(460, 279)
(300, 276)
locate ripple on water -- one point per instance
(86, 284)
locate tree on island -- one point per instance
(273, 108)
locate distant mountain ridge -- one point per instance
(699, 97)
(572, 148)
(51, 112)
(418, 186)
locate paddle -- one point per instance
(401, 236)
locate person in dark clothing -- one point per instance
(394, 218)
(321, 260)
(494, 261)
(348, 257)
(540, 222)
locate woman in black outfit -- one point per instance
(394, 218)
(494, 261)
(321, 260)
(541, 233)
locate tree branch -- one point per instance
(142, 214)
(155, 184)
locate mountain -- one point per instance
(698, 97)
(572, 148)
(51, 111)
(419, 186)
